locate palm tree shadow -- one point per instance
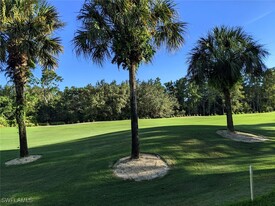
(202, 162)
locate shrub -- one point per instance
(3, 122)
(57, 123)
(43, 124)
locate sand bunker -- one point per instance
(241, 136)
(147, 167)
(23, 160)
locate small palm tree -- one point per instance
(222, 57)
(26, 39)
(129, 32)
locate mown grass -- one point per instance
(265, 200)
(75, 169)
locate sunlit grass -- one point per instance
(75, 169)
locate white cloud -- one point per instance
(258, 18)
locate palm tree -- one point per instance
(26, 39)
(222, 57)
(128, 32)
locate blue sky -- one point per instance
(257, 17)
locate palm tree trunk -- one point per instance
(20, 116)
(229, 118)
(134, 114)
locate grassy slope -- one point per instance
(75, 168)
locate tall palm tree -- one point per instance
(222, 57)
(128, 32)
(26, 39)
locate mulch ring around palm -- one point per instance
(241, 136)
(23, 160)
(147, 167)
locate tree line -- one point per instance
(47, 104)
(251, 94)
(103, 101)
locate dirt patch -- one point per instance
(242, 136)
(147, 167)
(23, 160)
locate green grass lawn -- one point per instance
(76, 165)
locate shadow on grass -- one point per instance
(206, 169)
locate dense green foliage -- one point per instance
(250, 94)
(206, 169)
(91, 103)
(110, 101)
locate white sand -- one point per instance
(241, 136)
(23, 160)
(147, 167)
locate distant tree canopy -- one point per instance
(110, 101)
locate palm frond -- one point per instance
(223, 55)
(3, 50)
(168, 30)
(128, 30)
(27, 27)
(48, 51)
(93, 39)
